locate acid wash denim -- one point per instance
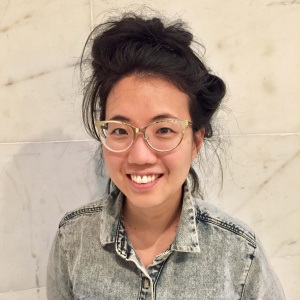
(213, 257)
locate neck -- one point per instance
(157, 219)
(151, 230)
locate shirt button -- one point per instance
(146, 283)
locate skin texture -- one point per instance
(151, 211)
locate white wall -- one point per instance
(47, 161)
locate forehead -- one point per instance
(140, 99)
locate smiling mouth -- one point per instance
(144, 179)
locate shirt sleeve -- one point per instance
(58, 280)
(261, 282)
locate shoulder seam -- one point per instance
(230, 227)
(82, 211)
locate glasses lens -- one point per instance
(165, 135)
(116, 136)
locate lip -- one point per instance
(138, 180)
(143, 179)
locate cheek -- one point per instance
(191, 150)
(112, 160)
(183, 158)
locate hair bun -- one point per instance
(215, 88)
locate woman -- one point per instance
(149, 101)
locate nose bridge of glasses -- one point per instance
(142, 131)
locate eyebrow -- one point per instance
(155, 118)
(119, 118)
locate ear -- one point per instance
(198, 140)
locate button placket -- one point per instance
(146, 283)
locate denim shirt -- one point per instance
(213, 256)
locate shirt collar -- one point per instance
(186, 239)
(110, 217)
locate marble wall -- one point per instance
(47, 161)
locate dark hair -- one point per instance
(147, 47)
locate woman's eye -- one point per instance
(164, 130)
(119, 131)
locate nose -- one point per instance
(140, 153)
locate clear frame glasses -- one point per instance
(161, 136)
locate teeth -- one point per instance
(143, 179)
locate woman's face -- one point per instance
(138, 101)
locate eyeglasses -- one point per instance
(161, 136)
